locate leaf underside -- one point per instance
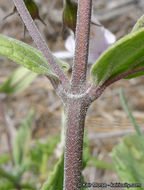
(127, 54)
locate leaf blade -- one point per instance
(119, 58)
(27, 56)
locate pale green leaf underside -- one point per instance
(128, 159)
(27, 56)
(126, 54)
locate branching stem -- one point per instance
(40, 42)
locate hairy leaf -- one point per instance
(18, 81)
(127, 54)
(139, 24)
(27, 56)
(128, 159)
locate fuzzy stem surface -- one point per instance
(79, 69)
(75, 119)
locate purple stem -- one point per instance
(79, 69)
(75, 119)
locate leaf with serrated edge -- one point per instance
(122, 56)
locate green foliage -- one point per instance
(94, 161)
(21, 144)
(40, 155)
(55, 180)
(128, 159)
(128, 112)
(139, 24)
(86, 151)
(70, 15)
(27, 56)
(128, 156)
(127, 54)
(7, 175)
(18, 81)
(32, 8)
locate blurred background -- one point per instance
(106, 121)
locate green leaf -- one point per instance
(128, 159)
(139, 24)
(94, 161)
(18, 81)
(55, 180)
(27, 56)
(127, 54)
(21, 144)
(41, 153)
(128, 112)
(8, 176)
(70, 14)
(86, 151)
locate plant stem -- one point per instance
(79, 69)
(75, 119)
(40, 42)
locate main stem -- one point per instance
(79, 69)
(75, 119)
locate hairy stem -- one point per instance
(75, 114)
(79, 69)
(40, 42)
